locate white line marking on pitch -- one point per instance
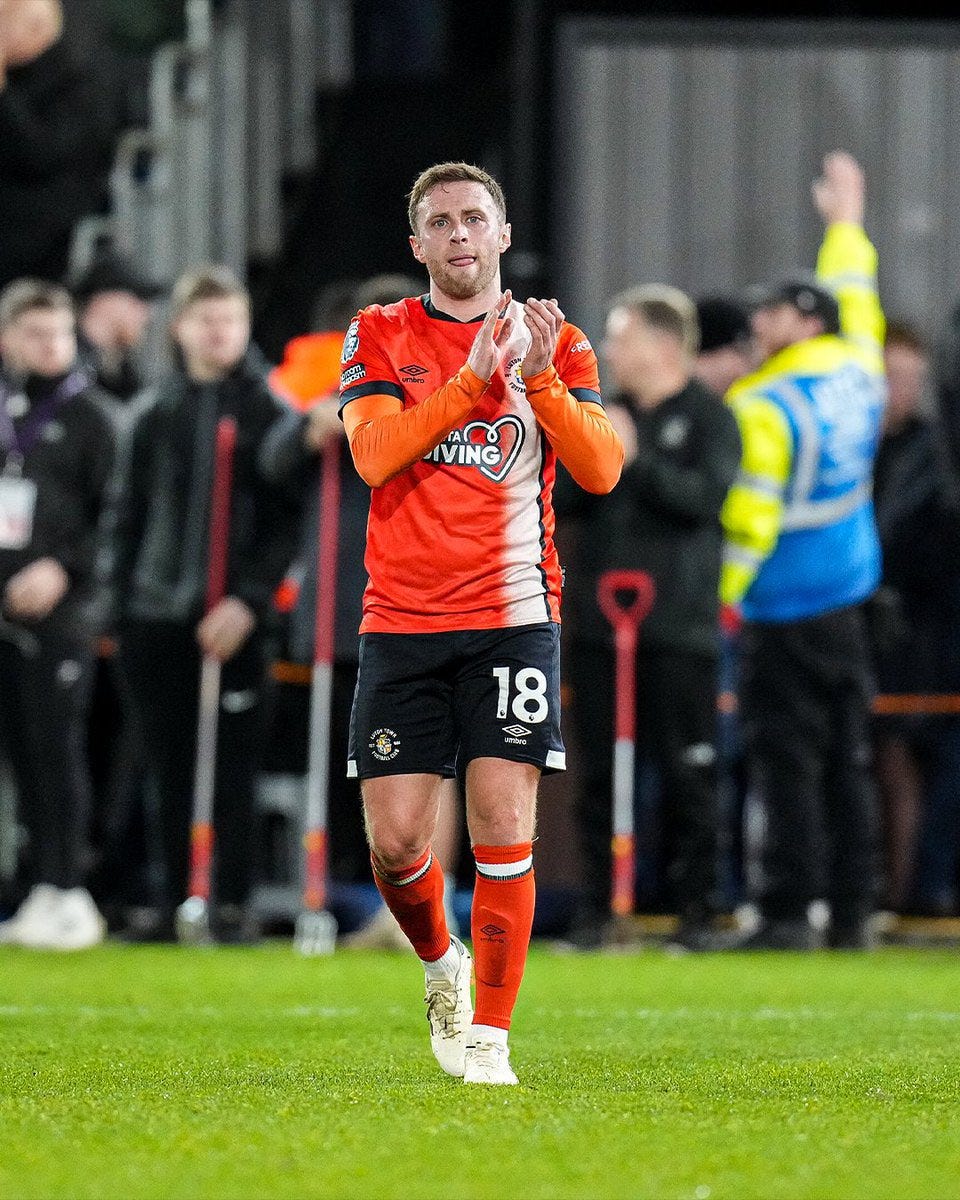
(331, 1013)
(757, 1014)
(141, 1012)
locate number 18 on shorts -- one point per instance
(428, 702)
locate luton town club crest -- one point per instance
(384, 745)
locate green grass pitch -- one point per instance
(134, 1072)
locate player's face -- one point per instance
(460, 238)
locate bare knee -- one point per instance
(394, 846)
(499, 823)
(400, 816)
(501, 802)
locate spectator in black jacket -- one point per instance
(160, 575)
(58, 125)
(682, 453)
(727, 352)
(56, 454)
(908, 494)
(916, 634)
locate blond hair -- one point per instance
(26, 295)
(211, 282)
(665, 308)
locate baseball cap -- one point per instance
(724, 321)
(807, 295)
(113, 272)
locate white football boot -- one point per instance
(75, 924)
(33, 919)
(450, 1013)
(488, 1062)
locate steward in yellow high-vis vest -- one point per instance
(800, 537)
(801, 556)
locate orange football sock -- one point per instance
(501, 922)
(415, 897)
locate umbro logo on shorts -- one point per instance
(516, 730)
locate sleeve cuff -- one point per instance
(541, 381)
(472, 381)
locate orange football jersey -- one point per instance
(463, 539)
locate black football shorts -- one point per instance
(431, 702)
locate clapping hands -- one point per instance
(488, 345)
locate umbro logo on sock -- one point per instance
(492, 931)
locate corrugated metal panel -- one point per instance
(685, 155)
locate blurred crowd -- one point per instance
(785, 755)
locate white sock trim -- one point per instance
(446, 966)
(487, 1033)
(505, 870)
(405, 880)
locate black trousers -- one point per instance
(44, 697)
(122, 851)
(805, 704)
(677, 731)
(161, 666)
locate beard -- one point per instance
(459, 285)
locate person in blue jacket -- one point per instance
(801, 559)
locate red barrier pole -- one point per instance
(613, 589)
(316, 928)
(193, 916)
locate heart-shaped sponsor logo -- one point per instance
(504, 435)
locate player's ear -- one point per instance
(416, 248)
(505, 237)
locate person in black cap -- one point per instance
(803, 292)
(115, 310)
(801, 559)
(114, 303)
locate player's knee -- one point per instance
(501, 823)
(396, 848)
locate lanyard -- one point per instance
(17, 443)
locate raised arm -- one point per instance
(847, 261)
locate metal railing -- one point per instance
(231, 119)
